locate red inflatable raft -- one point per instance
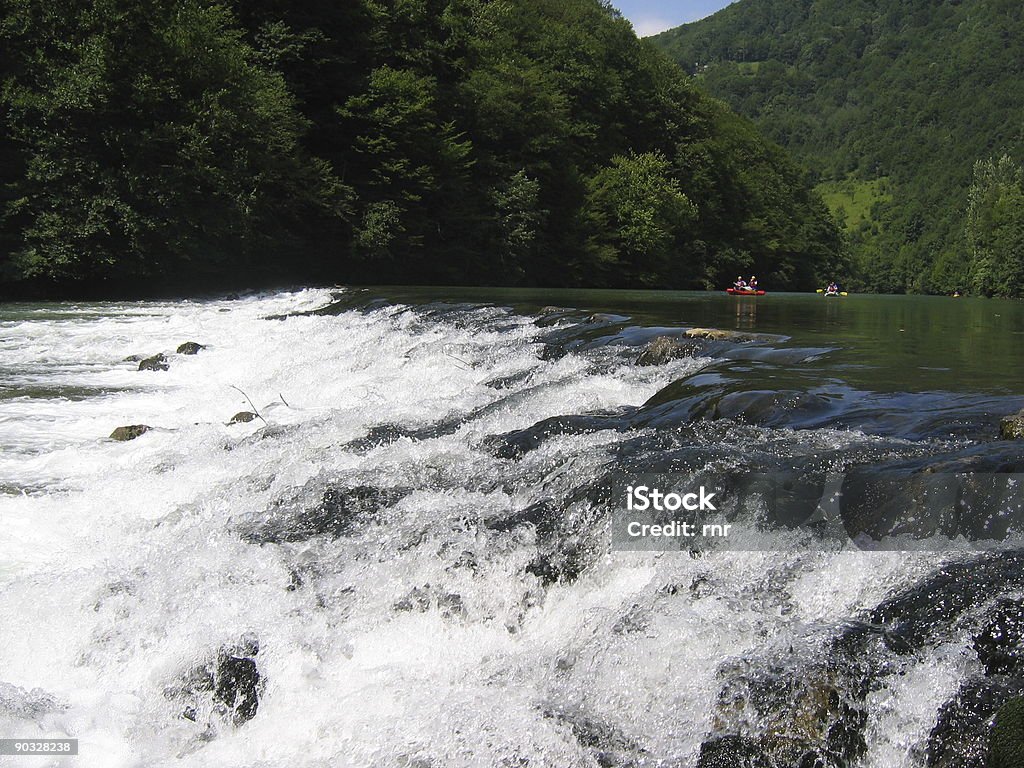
(738, 292)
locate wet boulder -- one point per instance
(129, 432)
(782, 408)
(190, 348)
(269, 432)
(227, 687)
(507, 382)
(782, 711)
(242, 417)
(565, 535)
(712, 333)
(814, 718)
(664, 349)
(157, 362)
(728, 752)
(551, 309)
(1006, 743)
(604, 318)
(1012, 427)
(717, 334)
(1000, 644)
(960, 738)
(925, 612)
(416, 600)
(542, 515)
(237, 685)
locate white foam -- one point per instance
(122, 565)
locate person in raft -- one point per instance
(752, 285)
(832, 289)
(740, 284)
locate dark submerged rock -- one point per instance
(923, 613)
(543, 515)
(816, 715)
(242, 417)
(515, 445)
(565, 535)
(190, 348)
(567, 543)
(416, 600)
(269, 432)
(129, 432)
(726, 752)
(157, 362)
(377, 437)
(422, 599)
(320, 511)
(237, 687)
(607, 744)
(971, 493)
(605, 318)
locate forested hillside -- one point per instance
(181, 144)
(892, 104)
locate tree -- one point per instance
(154, 144)
(995, 227)
(412, 164)
(520, 219)
(638, 216)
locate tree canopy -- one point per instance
(192, 144)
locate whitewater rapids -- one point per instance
(415, 635)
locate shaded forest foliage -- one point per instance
(182, 144)
(902, 97)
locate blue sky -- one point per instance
(652, 16)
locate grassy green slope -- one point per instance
(911, 91)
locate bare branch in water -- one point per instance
(254, 410)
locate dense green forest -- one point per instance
(179, 144)
(891, 104)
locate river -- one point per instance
(406, 559)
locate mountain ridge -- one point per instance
(907, 97)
